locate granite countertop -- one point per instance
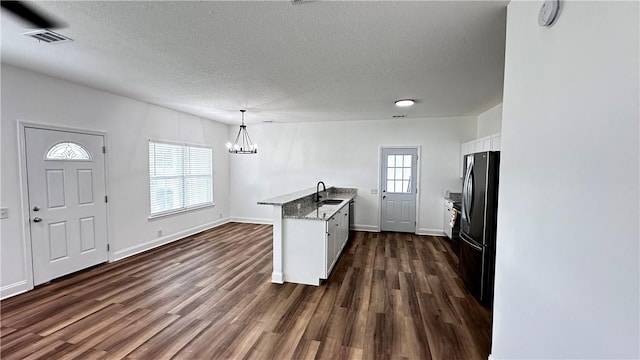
(300, 204)
(317, 211)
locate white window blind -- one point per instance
(180, 177)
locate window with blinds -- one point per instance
(180, 177)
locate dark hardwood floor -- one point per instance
(391, 296)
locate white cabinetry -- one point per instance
(479, 145)
(312, 247)
(487, 143)
(482, 144)
(495, 142)
(446, 219)
(337, 236)
(331, 246)
(468, 148)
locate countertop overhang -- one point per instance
(283, 199)
(300, 204)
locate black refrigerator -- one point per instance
(478, 224)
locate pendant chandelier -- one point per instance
(243, 144)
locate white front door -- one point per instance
(399, 185)
(67, 201)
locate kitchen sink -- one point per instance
(331, 202)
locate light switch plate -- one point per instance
(374, 191)
(4, 213)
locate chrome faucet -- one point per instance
(324, 188)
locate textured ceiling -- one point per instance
(316, 61)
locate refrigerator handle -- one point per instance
(467, 189)
(470, 193)
(470, 243)
(464, 191)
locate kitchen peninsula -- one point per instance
(310, 229)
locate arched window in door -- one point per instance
(68, 151)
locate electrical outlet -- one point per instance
(4, 213)
(374, 191)
(159, 232)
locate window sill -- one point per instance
(180, 211)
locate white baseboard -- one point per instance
(125, 253)
(14, 289)
(491, 357)
(431, 232)
(251, 220)
(368, 228)
(277, 278)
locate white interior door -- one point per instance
(67, 201)
(398, 182)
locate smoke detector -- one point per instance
(47, 36)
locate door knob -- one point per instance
(37, 219)
(35, 208)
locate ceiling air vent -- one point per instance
(47, 36)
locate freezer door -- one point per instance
(471, 266)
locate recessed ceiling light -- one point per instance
(405, 102)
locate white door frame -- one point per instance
(379, 201)
(24, 187)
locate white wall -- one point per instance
(567, 272)
(490, 121)
(32, 97)
(296, 156)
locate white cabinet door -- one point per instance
(468, 148)
(345, 225)
(446, 219)
(486, 143)
(330, 252)
(337, 240)
(344, 229)
(477, 146)
(495, 142)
